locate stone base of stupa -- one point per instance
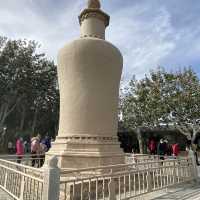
(75, 152)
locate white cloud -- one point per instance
(143, 42)
(148, 34)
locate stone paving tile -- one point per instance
(188, 191)
(4, 195)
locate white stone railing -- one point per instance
(131, 158)
(121, 182)
(124, 181)
(26, 159)
(21, 182)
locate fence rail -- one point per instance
(27, 159)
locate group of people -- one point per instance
(38, 147)
(163, 148)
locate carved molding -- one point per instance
(89, 139)
(95, 13)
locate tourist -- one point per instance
(26, 147)
(152, 146)
(161, 149)
(10, 147)
(175, 149)
(168, 148)
(35, 149)
(41, 154)
(47, 142)
(19, 149)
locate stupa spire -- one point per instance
(93, 20)
(95, 4)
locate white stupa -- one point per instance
(89, 73)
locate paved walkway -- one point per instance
(182, 192)
(4, 195)
(189, 191)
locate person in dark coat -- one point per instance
(161, 149)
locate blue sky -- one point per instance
(149, 33)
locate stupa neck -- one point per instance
(93, 22)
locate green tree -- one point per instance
(163, 99)
(28, 86)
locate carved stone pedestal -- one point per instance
(85, 151)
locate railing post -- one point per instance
(111, 186)
(149, 181)
(195, 171)
(51, 180)
(6, 177)
(22, 189)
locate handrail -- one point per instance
(66, 171)
(23, 156)
(21, 173)
(20, 165)
(132, 171)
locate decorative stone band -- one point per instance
(96, 13)
(89, 139)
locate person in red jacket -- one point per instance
(152, 146)
(19, 149)
(175, 149)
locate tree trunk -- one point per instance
(140, 140)
(23, 114)
(4, 110)
(194, 134)
(34, 120)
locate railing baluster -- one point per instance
(134, 179)
(103, 182)
(129, 184)
(89, 189)
(82, 190)
(97, 188)
(161, 178)
(125, 186)
(143, 182)
(157, 178)
(73, 190)
(154, 180)
(6, 177)
(65, 191)
(119, 180)
(167, 176)
(139, 183)
(22, 189)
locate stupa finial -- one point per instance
(94, 4)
